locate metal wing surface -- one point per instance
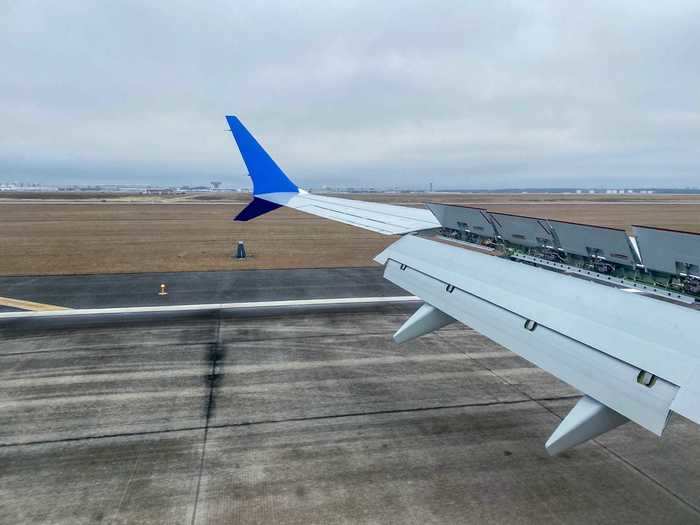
(633, 357)
(381, 218)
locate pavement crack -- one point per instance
(648, 477)
(387, 411)
(100, 436)
(289, 420)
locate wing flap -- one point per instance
(594, 338)
(609, 380)
(598, 316)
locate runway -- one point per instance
(141, 289)
(301, 417)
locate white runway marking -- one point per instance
(206, 307)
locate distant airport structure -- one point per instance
(13, 186)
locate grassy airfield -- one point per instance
(68, 233)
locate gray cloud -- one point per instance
(463, 94)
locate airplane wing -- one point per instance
(593, 337)
(273, 189)
(633, 357)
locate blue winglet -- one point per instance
(267, 176)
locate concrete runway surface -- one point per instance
(311, 418)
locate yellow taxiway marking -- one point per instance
(29, 305)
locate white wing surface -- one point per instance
(381, 218)
(601, 341)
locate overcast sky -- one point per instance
(463, 94)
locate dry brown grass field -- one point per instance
(187, 233)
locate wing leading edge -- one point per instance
(273, 189)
